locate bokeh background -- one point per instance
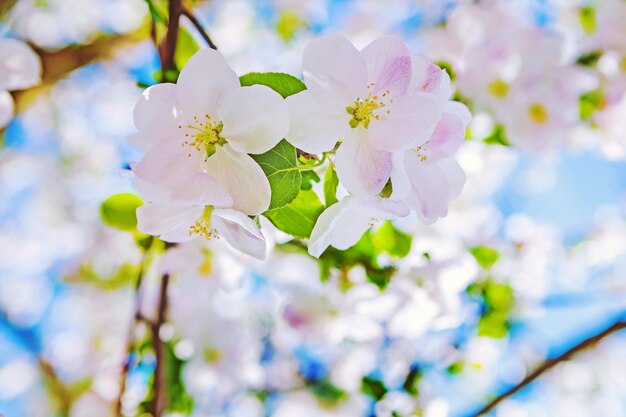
(530, 261)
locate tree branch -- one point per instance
(551, 363)
(159, 400)
(196, 23)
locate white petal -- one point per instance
(242, 177)
(156, 112)
(429, 78)
(167, 175)
(255, 118)
(20, 66)
(170, 222)
(342, 224)
(332, 64)
(6, 108)
(240, 231)
(459, 110)
(401, 185)
(203, 83)
(433, 186)
(445, 140)
(361, 168)
(316, 125)
(407, 122)
(389, 65)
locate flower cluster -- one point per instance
(381, 116)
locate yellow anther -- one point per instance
(538, 113)
(204, 135)
(203, 225)
(364, 110)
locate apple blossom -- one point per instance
(342, 224)
(179, 223)
(19, 68)
(363, 100)
(203, 127)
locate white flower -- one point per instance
(365, 100)
(201, 129)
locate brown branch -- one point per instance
(167, 48)
(196, 23)
(551, 363)
(159, 400)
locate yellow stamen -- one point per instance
(538, 113)
(203, 225)
(204, 135)
(498, 88)
(212, 355)
(364, 110)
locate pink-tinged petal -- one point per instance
(20, 66)
(445, 140)
(242, 177)
(167, 164)
(203, 83)
(240, 231)
(156, 112)
(429, 78)
(316, 125)
(433, 186)
(459, 110)
(342, 224)
(255, 118)
(6, 108)
(332, 64)
(407, 122)
(389, 65)
(361, 168)
(400, 182)
(171, 222)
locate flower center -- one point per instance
(364, 110)
(538, 113)
(203, 225)
(204, 135)
(498, 88)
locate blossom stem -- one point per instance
(548, 364)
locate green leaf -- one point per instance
(497, 137)
(280, 166)
(587, 19)
(298, 217)
(485, 256)
(186, 46)
(412, 379)
(493, 324)
(284, 84)
(119, 211)
(391, 240)
(589, 59)
(375, 388)
(309, 178)
(327, 392)
(589, 103)
(331, 181)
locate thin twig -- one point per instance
(130, 341)
(551, 363)
(196, 23)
